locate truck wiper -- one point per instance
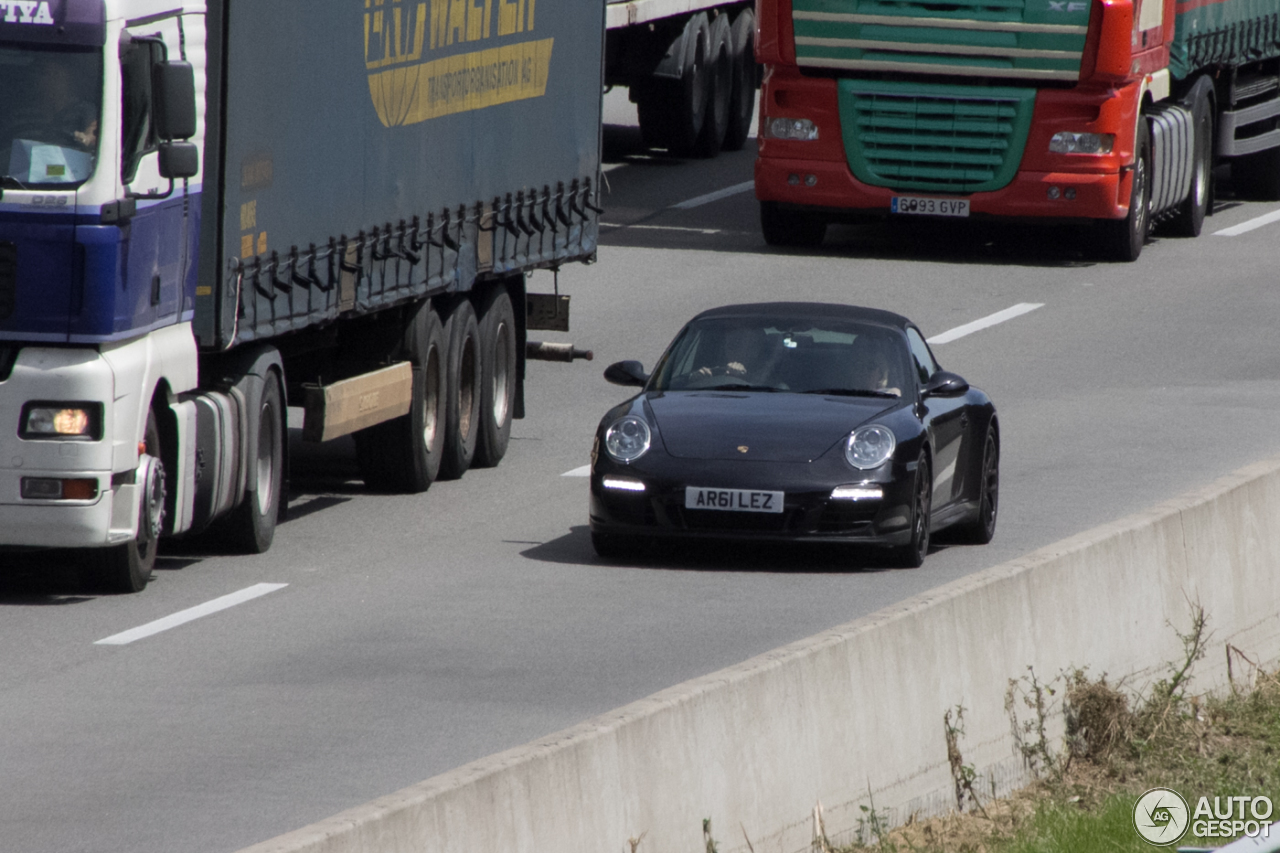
(11, 182)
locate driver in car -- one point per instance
(740, 346)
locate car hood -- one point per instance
(777, 427)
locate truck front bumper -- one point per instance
(62, 375)
(1052, 195)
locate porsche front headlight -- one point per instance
(870, 446)
(627, 439)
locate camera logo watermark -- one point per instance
(1161, 816)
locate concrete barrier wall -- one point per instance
(857, 712)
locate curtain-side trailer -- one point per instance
(212, 210)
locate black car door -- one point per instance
(947, 421)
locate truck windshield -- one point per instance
(50, 116)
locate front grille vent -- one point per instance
(937, 142)
(8, 280)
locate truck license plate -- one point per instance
(732, 500)
(929, 206)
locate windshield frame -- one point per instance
(794, 334)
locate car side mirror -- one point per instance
(626, 373)
(945, 384)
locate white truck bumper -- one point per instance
(121, 379)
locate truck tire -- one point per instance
(790, 227)
(742, 99)
(1123, 239)
(1257, 176)
(719, 89)
(250, 527)
(462, 407)
(404, 454)
(672, 111)
(1189, 218)
(498, 378)
(127, 568)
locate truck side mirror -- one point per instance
(178, 160)
(173, 92)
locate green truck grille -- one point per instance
(1012, 39)
(952, 139)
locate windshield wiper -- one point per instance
(730, 387)
(854, 392)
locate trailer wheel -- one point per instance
(1189, 218)
(1257, 176)
(251, 527)
(127, 568)
(498, 378)
(790, 227)
(404, 454)
(672, 111)
(719, 89)
(742, 100)
(462, 408)
(1123, 239)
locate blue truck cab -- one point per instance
(202, 222)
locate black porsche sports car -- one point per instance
(796, 421)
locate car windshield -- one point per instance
(50, 116)
(773, 354)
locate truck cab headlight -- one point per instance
(61, 421)
(795, 129)
(1066, 142)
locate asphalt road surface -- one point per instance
(403, 636)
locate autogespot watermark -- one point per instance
(1162, 817)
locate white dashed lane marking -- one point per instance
(698, 201)
(184, 616)
(986, 322)
(584, 471)
(1249, 224)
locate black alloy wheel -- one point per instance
(911, 555)
(613, 546)
(982, 528)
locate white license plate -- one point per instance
(732, 500)
(929, 206)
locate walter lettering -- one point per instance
(26, 12)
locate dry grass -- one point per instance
(1116, 747)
